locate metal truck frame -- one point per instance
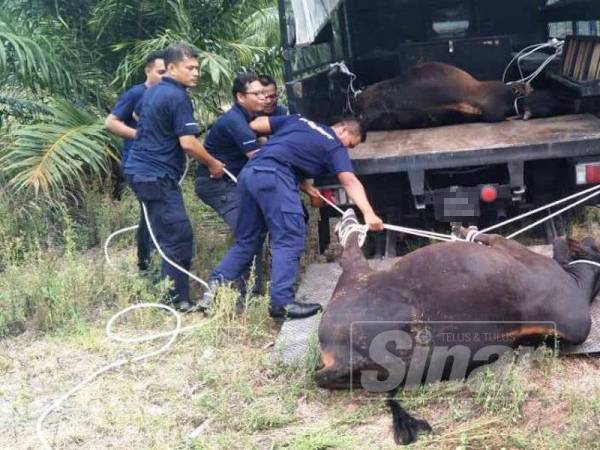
(410, 174)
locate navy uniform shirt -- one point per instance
(310, 149)
(124, 109)
(280, 111)
(231, 138)
(166, 113)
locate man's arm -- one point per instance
(261, 125)
(118, 127)
(193, 147)
(356, 191)
(309, 189)
(313, 193)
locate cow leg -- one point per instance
(560, 251)
(336, 377)
(406, 427)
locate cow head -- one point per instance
(547, 104)
(519, 91)
(341, 83)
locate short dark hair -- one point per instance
(266, 80)
(355, 126)
(153, 56)
(176, 52)
(241, 81)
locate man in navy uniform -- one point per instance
(271, 106)
(121, 121)
(166, 131)
(270, 200)
(231, 141)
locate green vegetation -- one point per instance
(63, 63)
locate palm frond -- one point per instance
(59, 153)
(131, 66)
(245, 53)
(17, 103)
(181, 16)
(261, 29)
(217, 66)
(29, 55)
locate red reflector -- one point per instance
(488, 194)
(328, 194)
(592, 173)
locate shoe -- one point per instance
(294, 310)
(184, 306)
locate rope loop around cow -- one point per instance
(587, 194)
(350, 225)
(472, 234)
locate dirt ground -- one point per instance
(229, 393)
(219, 387)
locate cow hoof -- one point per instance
(406, 427)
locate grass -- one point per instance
(219, 386)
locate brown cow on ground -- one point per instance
(432, 94)
(417, 322)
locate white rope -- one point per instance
(230, 175)
(421, 233)
(555, 44)
(165, 257)
(595, 189)
(344, 69)
(560, 211)
(516, 105)
(135, 227)
(471, 234)
(172, 335)
(110, 238)
(541, 68)
(350, 225)
(397, 228)
(584, 261)
(333, 205)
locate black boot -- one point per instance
(295, 310)
(184, 306)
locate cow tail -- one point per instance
(405, 426)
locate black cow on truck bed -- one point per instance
(432, 94)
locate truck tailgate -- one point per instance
(477, 144)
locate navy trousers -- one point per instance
(171, 227)
(269, 201)
(144, 243)
(223, 196)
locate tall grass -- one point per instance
(52, 271)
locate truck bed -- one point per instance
(477, 144)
